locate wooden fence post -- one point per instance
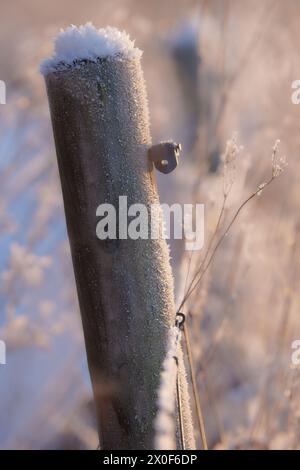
(125, 287)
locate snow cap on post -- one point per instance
(86, 42)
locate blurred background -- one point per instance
(214, 69)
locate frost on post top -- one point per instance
(87, 42)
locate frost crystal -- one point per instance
(87, 42)
(165, 419)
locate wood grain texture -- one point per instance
(100, 122)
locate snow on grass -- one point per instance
(88, 43)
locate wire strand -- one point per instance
(195, 388)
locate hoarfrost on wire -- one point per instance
(89, 43)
